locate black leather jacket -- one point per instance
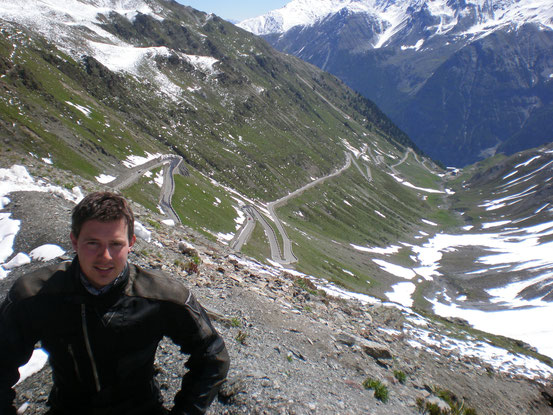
(101, 348)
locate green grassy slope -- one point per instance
(263, 123)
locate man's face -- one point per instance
(102, 248)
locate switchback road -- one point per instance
(287, 255)
(171, 165)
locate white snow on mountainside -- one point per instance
(484, 16)
(76, 29)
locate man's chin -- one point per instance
(100, 280)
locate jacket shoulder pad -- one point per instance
(157, 285)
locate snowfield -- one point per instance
(58, 20)
(505, 246)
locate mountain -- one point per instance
(92, 87)
(201, 78)
(292, 192)
(464, 79)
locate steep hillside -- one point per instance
(286, 333)
(495, 271)
(180, 80)
(463, 79)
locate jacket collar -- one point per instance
(115, 287)
(103, 290)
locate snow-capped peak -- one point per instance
(469, 16)
(295, 13)
(42, 12)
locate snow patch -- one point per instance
(46, 252)
(34, 365)
(416, 46)
(133, 161)
(396, 270)
(104, 178)
(402, 293)
(412, 186)
(86, 111)
(141, 232)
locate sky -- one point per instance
(236, 10)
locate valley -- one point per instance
(465, 80)
(443, 273)
(312, 226)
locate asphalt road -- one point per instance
(171, 165)
(286, 256)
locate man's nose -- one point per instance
(105, 253)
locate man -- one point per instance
(100, 319)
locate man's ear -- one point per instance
(73, 241)
(132, 241)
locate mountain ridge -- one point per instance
(477, 18)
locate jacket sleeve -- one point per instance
(16, 348)
(208, 363)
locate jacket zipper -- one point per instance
(89, 349)
(76, 367)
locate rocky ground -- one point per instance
(294, 350)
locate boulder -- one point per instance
(187, 249)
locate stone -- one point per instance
(376, 350)
(346, 339)
(231, 387)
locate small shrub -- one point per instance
(153, 223)
(191, 268)
(400, 376)
(445, 395)
(193, 265)
(380, 390)
(235, 322)
(456, 407)
(307, 285)
(241, 337)
(430, 408)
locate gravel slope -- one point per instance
(293, 350)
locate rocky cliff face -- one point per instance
(489, 96)
(457, 77)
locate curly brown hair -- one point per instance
(104, 207)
